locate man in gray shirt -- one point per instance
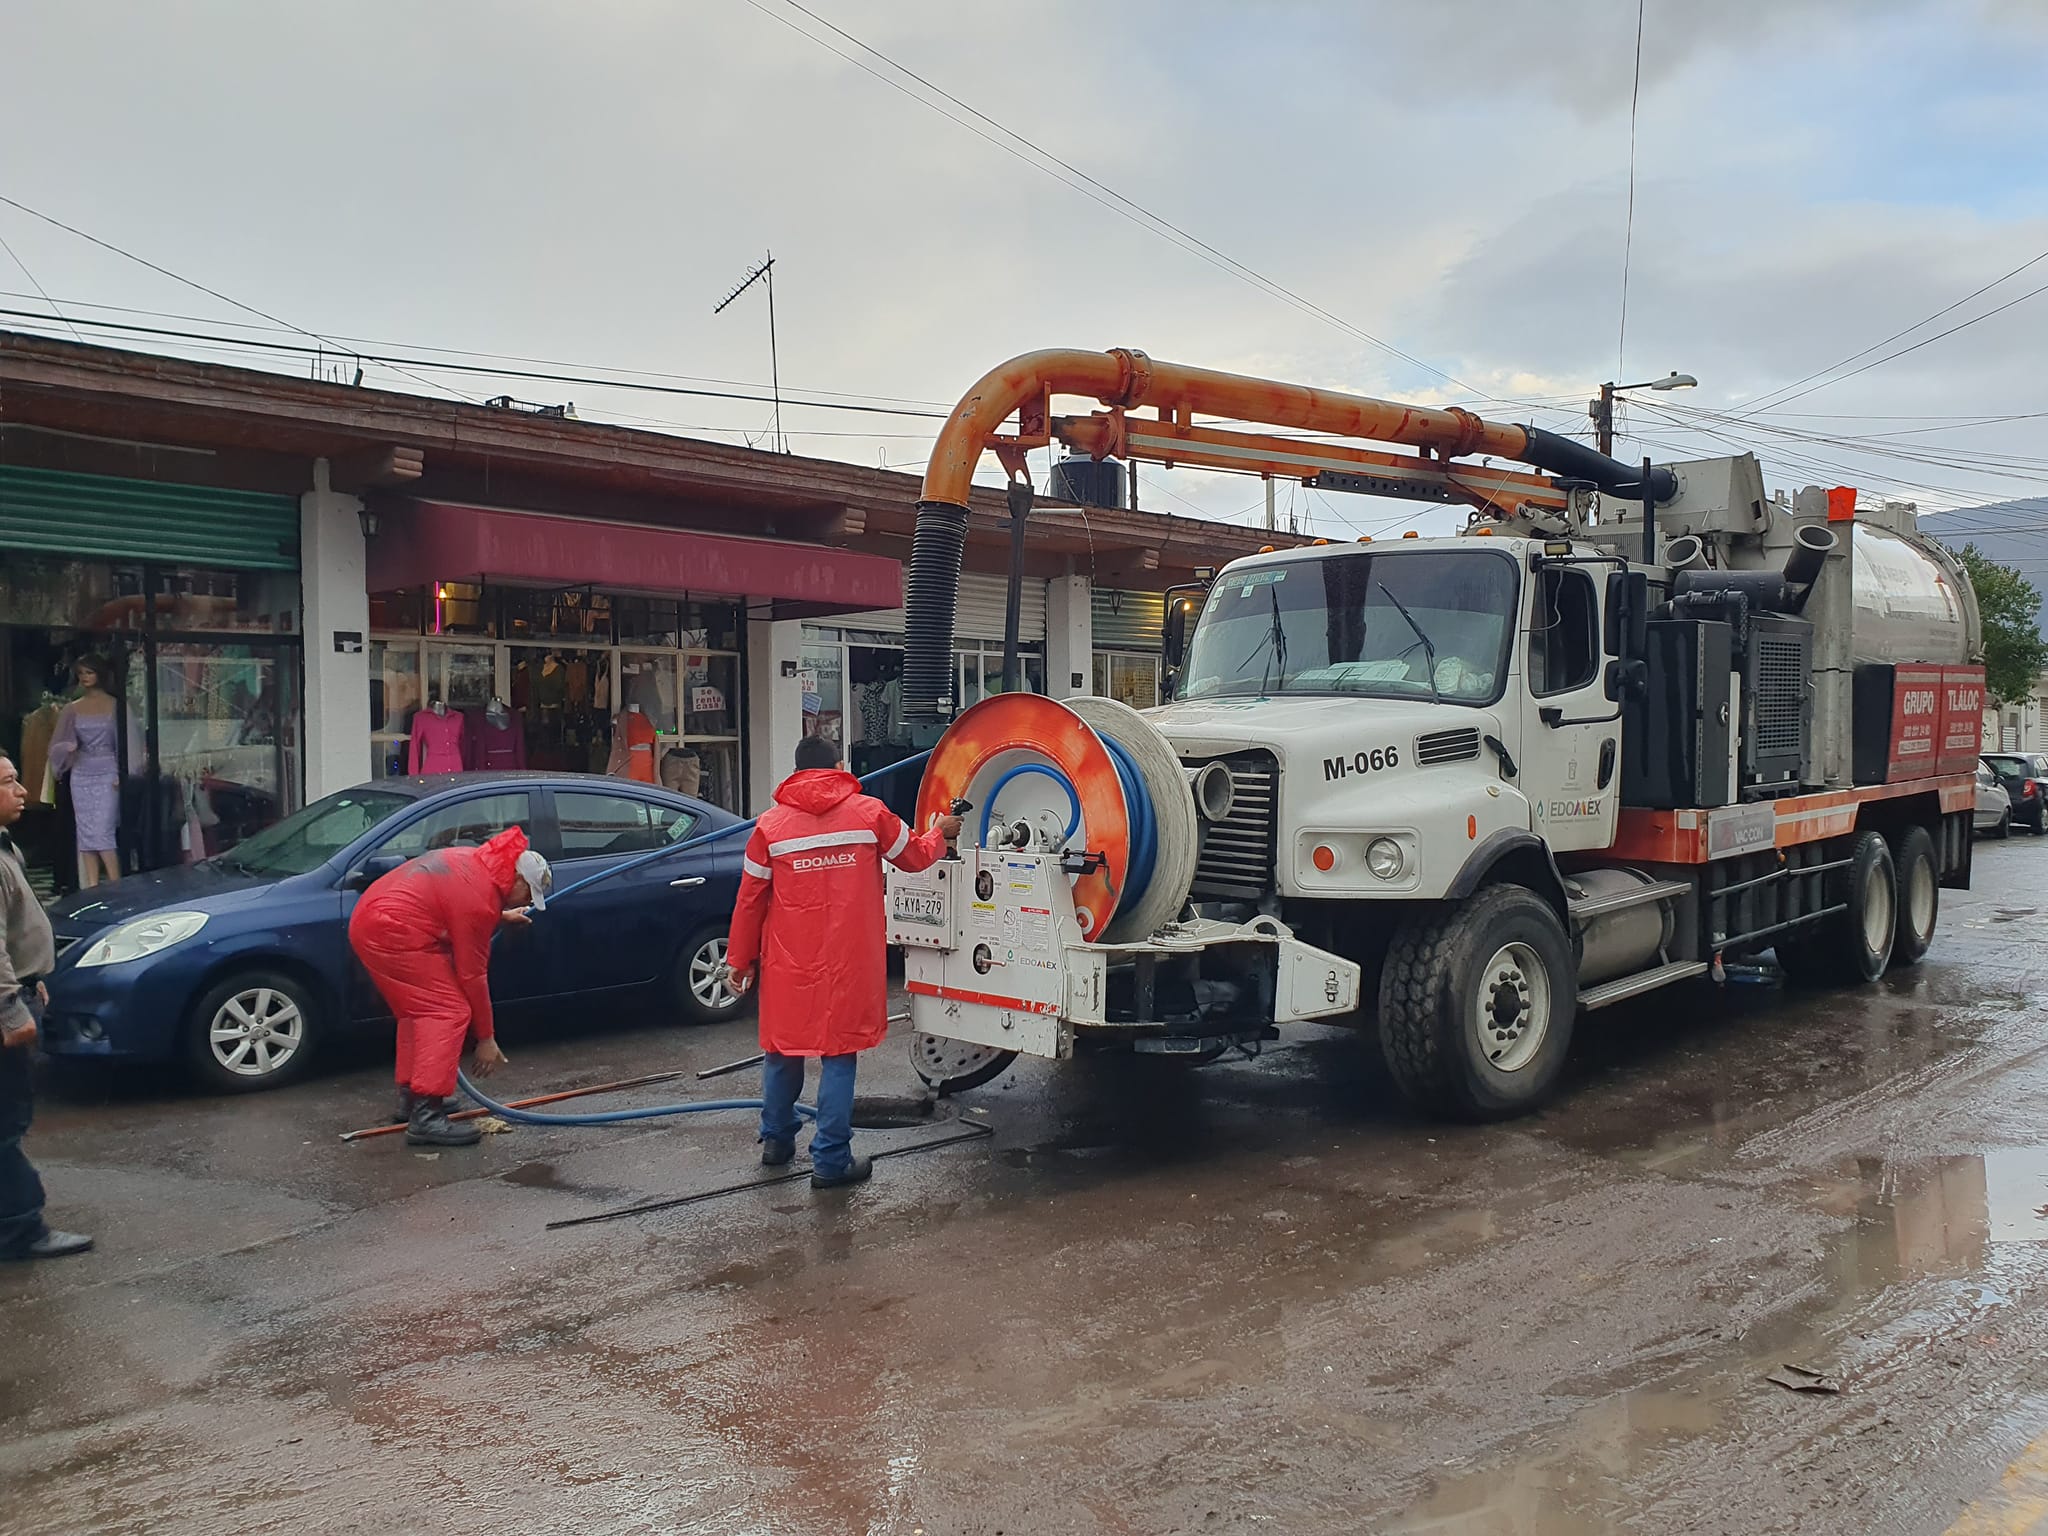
(27, 952)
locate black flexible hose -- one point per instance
(931, 594)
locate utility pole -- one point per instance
(1602, 409)
(764, 274)
(1269, 503)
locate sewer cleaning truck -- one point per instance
(1633, 725)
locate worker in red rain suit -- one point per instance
(809, 921)
(423, 932)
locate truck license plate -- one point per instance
(926, 907)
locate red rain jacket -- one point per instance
(448, 901)
(810, 911)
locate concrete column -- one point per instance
(775, 706)
(1069, 637)
(337, 602)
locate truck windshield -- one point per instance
(1334, 625)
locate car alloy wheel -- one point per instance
(256, 1031)
(707, 977)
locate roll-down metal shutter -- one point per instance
(979, 614)
(106, 517)
(1128, 621)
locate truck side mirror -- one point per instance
(1627, 632)
(1183, 607)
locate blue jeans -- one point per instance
(782, 1079)
(21, 1192)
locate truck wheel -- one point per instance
(1919, 884)
(1854, 945)
(1477, 1003)
(954, 1066)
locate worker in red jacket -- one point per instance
(809, 925)
(423, 932)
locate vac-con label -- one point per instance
(1374, 760)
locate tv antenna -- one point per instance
(763, 272)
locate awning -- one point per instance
(432, 541)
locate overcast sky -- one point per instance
(582, 182)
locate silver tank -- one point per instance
(1913, 600)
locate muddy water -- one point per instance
(1250, 1297)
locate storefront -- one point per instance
(565, 669)
(185, 602)
(1127, 629)
(853, 668)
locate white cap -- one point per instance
(533, 869)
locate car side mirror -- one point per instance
(372, 869)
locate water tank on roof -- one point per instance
(1091, 482)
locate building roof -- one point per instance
(109, 410)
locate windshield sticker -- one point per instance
(1271, 576)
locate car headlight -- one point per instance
(142, 938)
(1383, 858)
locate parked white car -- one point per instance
(1994, 804)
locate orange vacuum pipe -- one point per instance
(1123, 377)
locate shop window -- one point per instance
(69, 594)
(821, 676)
(194, 600)
(465, 824)
(1127, 678)
(399, 613)
(459, 609)
(598, 824)
(647, 682)
(535, 613)
(649, 620)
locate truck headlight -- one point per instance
(142, 938)
(1383, 858)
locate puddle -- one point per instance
(2016, 1194)
(535, 1176)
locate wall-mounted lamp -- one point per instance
(368, 519)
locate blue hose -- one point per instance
(610, 1116)
(988, 808)
(1144, 824)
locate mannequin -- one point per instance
(551, 687)
(440, 739)
(86, 749)
(498, 739)
(682, 770)
(633, 747)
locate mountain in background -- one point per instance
(2013, 533)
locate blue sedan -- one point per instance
(239, 967)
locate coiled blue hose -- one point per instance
(1144, 824)
(988, 808)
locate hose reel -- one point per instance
(1090, 777)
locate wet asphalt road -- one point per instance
(1255, 1296)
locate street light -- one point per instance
(1602, 409)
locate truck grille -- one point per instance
(1780, 694)
(1236, 862)
(1446, 746)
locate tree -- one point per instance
(2014, 652)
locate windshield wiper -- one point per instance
(1428, 648)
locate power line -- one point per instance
(71, 229)
(437, 366)
(1779, 397)
(1628, 238)
(36, 283)
(1043, 161)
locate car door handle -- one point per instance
(692, 880)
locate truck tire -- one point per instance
(1477, 1003)
(1855, 945)
(1919, 880)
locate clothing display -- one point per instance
(682, 771)
(440, 741)
(423, 932)
(498, 739)
(85, 749)
(38, 727)
(550, 685)
(632, 754)
(577, 690)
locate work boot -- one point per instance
(855, 1172)
(430, 1126)
(777, 1150)
(401, 1111)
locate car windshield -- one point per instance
(1356, 623)
(308, 839)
